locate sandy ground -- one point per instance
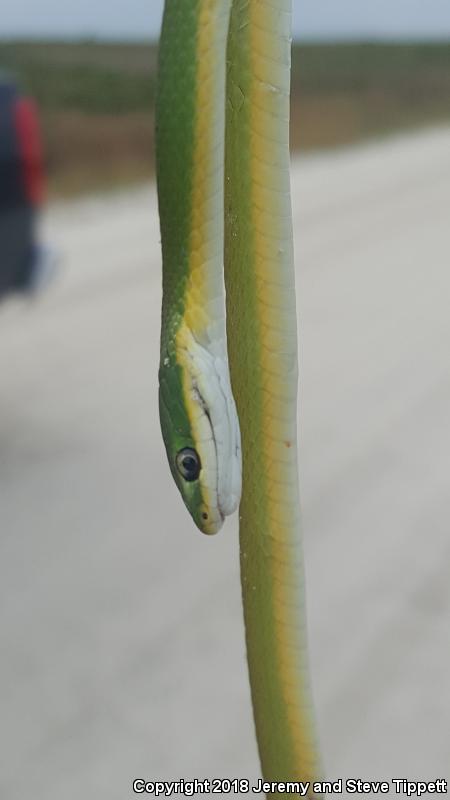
(122, 650)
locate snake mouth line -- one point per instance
(202, 402)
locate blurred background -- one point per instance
(122, 650)
(379, 70)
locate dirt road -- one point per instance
(122, 651)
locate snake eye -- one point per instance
(188, 464)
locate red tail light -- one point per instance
(30, 149)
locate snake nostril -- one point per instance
(204, 515)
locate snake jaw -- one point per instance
(215, 427)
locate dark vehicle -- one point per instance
(21, 191)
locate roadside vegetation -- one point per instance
(97, 101)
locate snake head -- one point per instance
(201, 432)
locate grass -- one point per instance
(97, 100)
(347, 92)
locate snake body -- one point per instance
(224, 200)
(197, 410)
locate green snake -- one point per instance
(222, 144)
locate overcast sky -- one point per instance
(141, 18)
